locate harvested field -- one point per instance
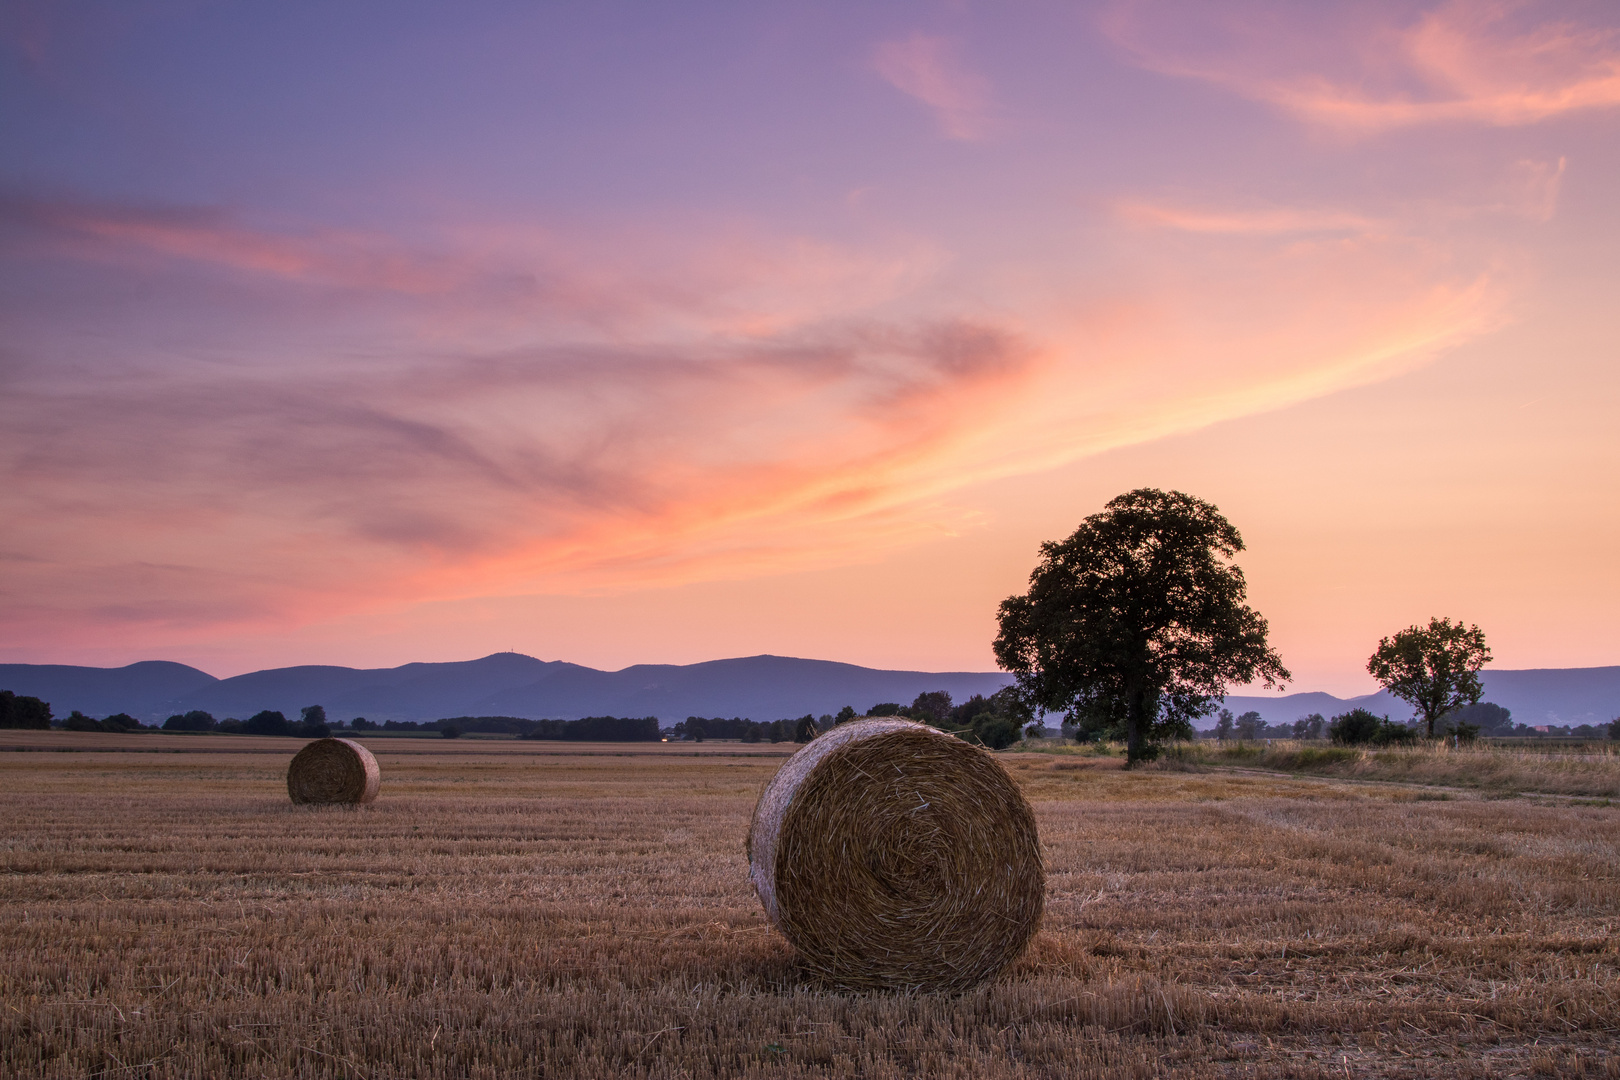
(518, 909)
(1590, 769)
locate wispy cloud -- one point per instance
(928, 69)
(1371, 68)
(1267, 221)
(730, 407)
(1524, 189)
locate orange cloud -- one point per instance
(1371, 69)
(732, 409)
(926, 69)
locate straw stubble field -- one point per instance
(511, 910)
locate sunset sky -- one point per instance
(622, 333)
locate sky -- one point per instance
(629, 333)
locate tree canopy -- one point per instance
(22, 711)
(1137, 622)
(1433, 668)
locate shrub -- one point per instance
(80, 722)
(1462, 731)
(1358, 727)
(996, 732)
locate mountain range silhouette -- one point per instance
(757, 687)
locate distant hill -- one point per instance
(408, 692)
(149, 688)
(758, 687)
(504, 684)
(1532, 695)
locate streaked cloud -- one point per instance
(1268, 221)
(618, 427)
(928, 69)
(1370, 68)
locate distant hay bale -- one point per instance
(333, 771)
(895, 856)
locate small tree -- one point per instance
(122, 722)
(931, 707)
(1435, 669)
(267, 722)
(845, 715)
(1488, 717)
(1250, 726)
(996, 732)
(195, 720)
(1225, 725)
(77, 721)
(804, 729)
(1359, 727)
(312, 723)
(1137, 621)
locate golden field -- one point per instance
(1590, 769)
(553, 910)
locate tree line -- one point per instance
(18, 711)
(1360, 727)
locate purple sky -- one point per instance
(372, 333)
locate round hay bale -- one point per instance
(895, 856)
(333, 771)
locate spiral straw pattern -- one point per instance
(895, 856)
(333, 771)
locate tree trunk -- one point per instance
(1136, 724)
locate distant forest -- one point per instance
(992, 721)
(30, 712)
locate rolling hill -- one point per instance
(759, 687)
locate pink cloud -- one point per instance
(926, 69)
(1373, 68)
(331, 257)
(725, 408)
(1270, 221)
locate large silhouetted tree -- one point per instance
(1433, 668)
(21, 711)
(1137, 622)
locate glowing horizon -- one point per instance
(621, 338)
